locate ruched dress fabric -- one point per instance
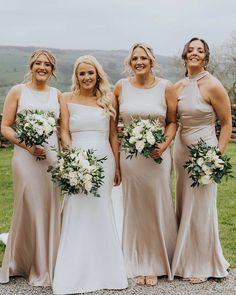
(35, 228)
(198, 250)
(149, 225)
(90, 256)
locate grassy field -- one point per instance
(226, 204)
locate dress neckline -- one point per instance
(198, 76)
(153, 85)
(37, 91)
(84, 105)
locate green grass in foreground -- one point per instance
(226, 204)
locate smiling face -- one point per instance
(87, 76)
(196, 55)
(41, 68)
(140, 62)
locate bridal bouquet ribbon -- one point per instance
(206, 164)
(78, 171)
(35, 127)
(142, 136)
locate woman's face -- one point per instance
(41, 68)
(196, 54)
(87, 76)
(140, 62)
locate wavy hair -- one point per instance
(102, 88)
(34, 56)
(150, 53)
(186, 48)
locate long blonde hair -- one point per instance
(150, 53)
(34, 56)
(102, 88)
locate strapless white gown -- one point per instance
(90, 257)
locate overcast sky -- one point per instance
(115, 24)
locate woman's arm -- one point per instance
(117, 92)
(64, 121)
(171, 113)
(220, 101)
(115, 144)
(8, 120)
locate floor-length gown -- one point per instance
(198, 251)
(35, 229)
(149, 225)
(89, 255)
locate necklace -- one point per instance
(143, 86)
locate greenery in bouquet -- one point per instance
(35, 126)
(78, 171)
(142, 136)
(206, 164)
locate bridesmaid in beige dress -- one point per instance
(34, 235)
(149, 226)
(202, 99)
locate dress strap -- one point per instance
(198, 76)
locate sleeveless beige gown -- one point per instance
(198, 251)
(34, 234)
(149, 225)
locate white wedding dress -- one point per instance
(90, 256)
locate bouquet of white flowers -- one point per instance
(78, 171)
(206, 164)
(142, 136)
(35, 127)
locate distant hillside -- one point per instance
(14, 63)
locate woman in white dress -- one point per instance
(35, 229)
(89, 256)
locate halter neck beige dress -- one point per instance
(149, 225)
(34, 234)
(198, 250)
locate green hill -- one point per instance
(14, 65)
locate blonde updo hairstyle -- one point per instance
(34, 56)
(102, 88)
(150, 53)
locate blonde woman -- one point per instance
(34, 235)
(89, 256)
(149, 226)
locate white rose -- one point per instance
(132, 140)
(205, 167)
(88, 185)
(73, 181)
(215, 158)
(26, 125)
(219, 164)
(47, 128)
(141, 123)
(51, 121)
(205, 179)
(85, 164)
(87, 176)
(200, 161)
(210, 154)
(150, 138)
(139, 145)
(137, 130)
(72, 174)
(39, 130)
